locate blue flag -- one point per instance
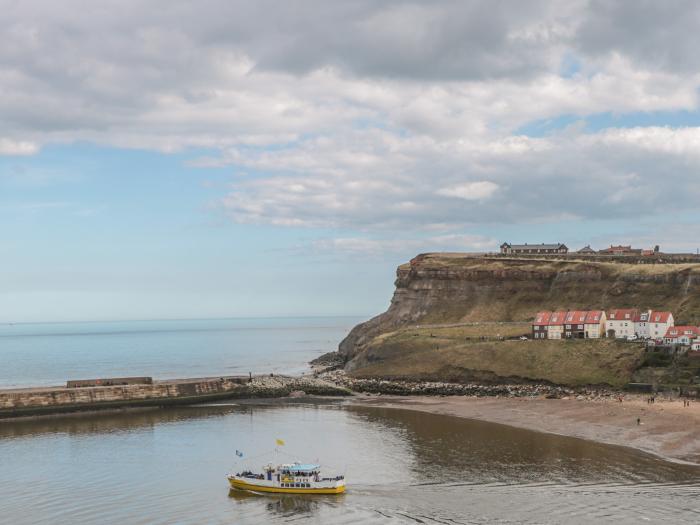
(239, 453)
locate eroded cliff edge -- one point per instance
(441, 288)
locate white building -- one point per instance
(659, 323)
(641, 324)
(620, 323)
(555, 328)
(595, 324)
(681, 335)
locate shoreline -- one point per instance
(667, 429)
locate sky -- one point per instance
(224, 158)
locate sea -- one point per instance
(169, 465)
(44, 354)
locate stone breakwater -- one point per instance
(37, 401)
(430, 388)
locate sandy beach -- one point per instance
(667, 428)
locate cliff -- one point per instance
(439, 289)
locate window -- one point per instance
(580, 327)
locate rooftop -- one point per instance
(299, 467)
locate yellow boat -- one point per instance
(288, 478)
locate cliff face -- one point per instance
(454, 288)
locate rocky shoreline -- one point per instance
(436, 388)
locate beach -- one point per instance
(666, 428)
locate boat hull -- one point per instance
(243, 485)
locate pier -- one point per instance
(60, 399)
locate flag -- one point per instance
(239, 453)
(279, 441)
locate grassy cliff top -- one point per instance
(613, 266)
(447, 355)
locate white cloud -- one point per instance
(14, 147)
(470, 191)
(372, 247)
(349, 119)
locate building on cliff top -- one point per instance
(628, 250)
(534, 249)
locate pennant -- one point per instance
(279, 442)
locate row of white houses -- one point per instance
(593, 324)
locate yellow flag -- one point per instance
(279, 442)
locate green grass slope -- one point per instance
(449, 356)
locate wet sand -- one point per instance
(667, 429)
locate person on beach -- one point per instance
(639, 421)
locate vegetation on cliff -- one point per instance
(411, 355)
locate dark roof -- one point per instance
(542, 246)
(586, 249)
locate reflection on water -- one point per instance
(287, 504)
(468, 451)
(165, 466)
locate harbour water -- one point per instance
(169, 465)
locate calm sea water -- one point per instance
(51, 353)
(168, 466)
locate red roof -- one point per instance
(557, 318)
(576, 316)
(629, 314)
(678, 331)
(542, 318)
(659, 317)
(618, 248)
(594, 317)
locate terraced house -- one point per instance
(659, 323)
(574, 324)
(540, 324)
(574, 327)
(621, 323)
(555, 328)
(593, 324)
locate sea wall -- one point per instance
(37, 401)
